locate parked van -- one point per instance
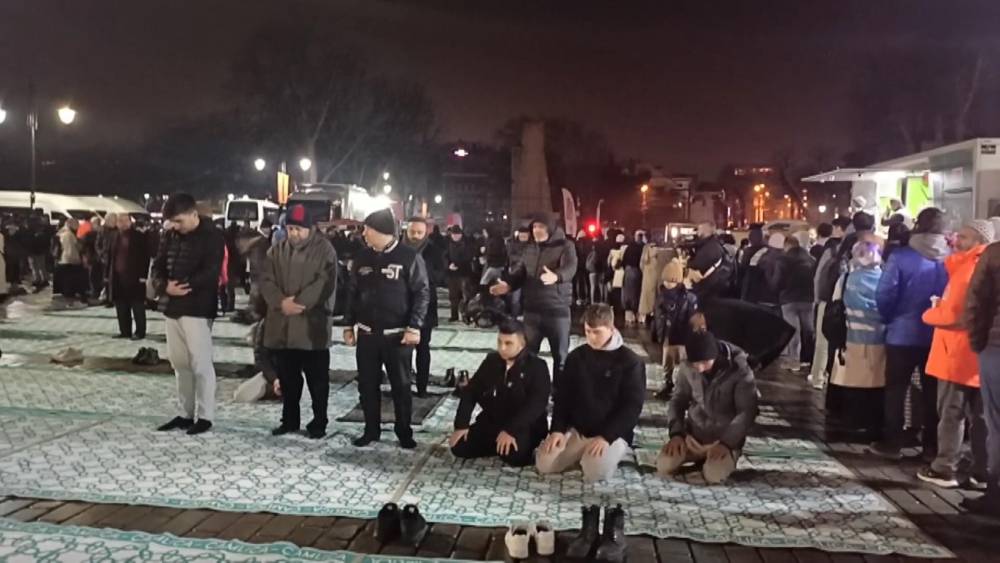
(331, 202)
(114, 204)
(59, 207)
(251, 211)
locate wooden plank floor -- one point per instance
(937, 512)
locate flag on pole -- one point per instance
(569, 213)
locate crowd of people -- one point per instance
(898, 323)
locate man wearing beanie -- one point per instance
(955, 365)
(713, 406)
(546, 273)
(597, 400)
(387, 299)
(298, 282)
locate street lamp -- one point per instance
(385, 175)
(387, 189)
(66, 114)
(644, 188)
(822, 209)
(259, 164)
(461, 153)
(230, 197)
(438, 198)
(3, 115)
(305, 164)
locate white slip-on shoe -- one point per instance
(518, 539)
(545, 539)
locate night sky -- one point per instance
(691, 88)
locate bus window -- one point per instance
(242, 211)
(271, 214)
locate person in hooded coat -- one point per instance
(913, 275)
(632, 283)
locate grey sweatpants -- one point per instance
(189, 348)
(989, 379)
(959, 406)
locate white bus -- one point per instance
(251, 211)
(59, 207)
(330, 202)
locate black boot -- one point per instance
(583, 545)
(449, 377)
(612, 546)
(463, 381)
(387, 523)
(413, 526)
(986, 505)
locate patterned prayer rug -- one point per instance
(47, 542)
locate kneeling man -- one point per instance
(710, 413)
(511, 387)
(597, 401)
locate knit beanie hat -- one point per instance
(298, 216)
(673, 272)
(382, 221)
(996, 226)
(984, 227)
(701, 346)
(776, 240)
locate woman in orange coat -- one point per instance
(953, 362)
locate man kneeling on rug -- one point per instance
(597, 401)
(713, 406)
(511, 387)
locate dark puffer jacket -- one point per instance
(792, 277)
(194, 258)
(982, 306)
(558, 255)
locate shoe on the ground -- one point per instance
(315, 433)
(364, 440)
(407, 443)
(612, 547)
(68, 356)
(412, 525)
(583, 545)
(886, 451)
(986, 505)
(282, 430)
(421, 394)
(200, 426)
(940, 479)
(518, 540)
(463, 381)
(137, 337)
(178, 422)
(978, 482)
(545, 539)
(449, 377)
(147, 357)
(387, 524)
(121, 336)
(665, 393)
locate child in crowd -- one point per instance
(675, 305)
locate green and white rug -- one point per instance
(27, 543)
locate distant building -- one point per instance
(476, 185)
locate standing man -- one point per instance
(711, 266)
(299, 284)
(417, 239)
(517, 245)
(459, 257)
(387, 298)
(913, 275)
(982, 318)
(546, 275)
(39, 247)
(186, 272)
(820, 372)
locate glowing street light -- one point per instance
(822, 209)
(305, 164)
(385, 175)
(66, 114)
(259, 164)
(3, 115)
(230, 197)
(460, 153)
(438, 198)
(387, 189)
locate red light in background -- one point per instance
(592, 229)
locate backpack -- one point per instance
(835, 322)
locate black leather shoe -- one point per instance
(463, 381)
(121, 336)
(387, 523)
(201, 426)
(413, 526)
(315, 433)
(138, 337)
(407, 443)
(282, 430)
(612, 546)
(583, 545)
(178, 422)
(449, 377)
(364, 440)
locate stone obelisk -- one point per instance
(530, 193)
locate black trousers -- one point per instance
(460, 291)
(128, 311)
(291, 366)
(482, 442)
(555, 329)
(900, 361)
(373, 352)
(423, 354)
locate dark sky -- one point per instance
(691, 86)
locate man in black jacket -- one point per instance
(597, 402)
(186, 275)
(546, 274)
(387, 298)
(711, 265)
(793, 280)
(459, 256)
(512, 388)
(416, 238)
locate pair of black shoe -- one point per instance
(366, 440)
(458, 383)
(311, 431)
(591, 544)
(146, 357)
(407, 525)
(192, 427)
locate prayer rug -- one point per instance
(422, 407)
(37, 541)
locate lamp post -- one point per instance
(66, 114)
(643, 189)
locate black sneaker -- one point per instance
(178, 422)
(137, 337)
(387, 524)
(449, 377)
(315, 433)
(201, 426)
(407, 443)
(121, 336)
(886, 451)
(364, 440)
(412, 525)
(282, 430)
(943, 480)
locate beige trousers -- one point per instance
(714, 471)
(572, 454)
